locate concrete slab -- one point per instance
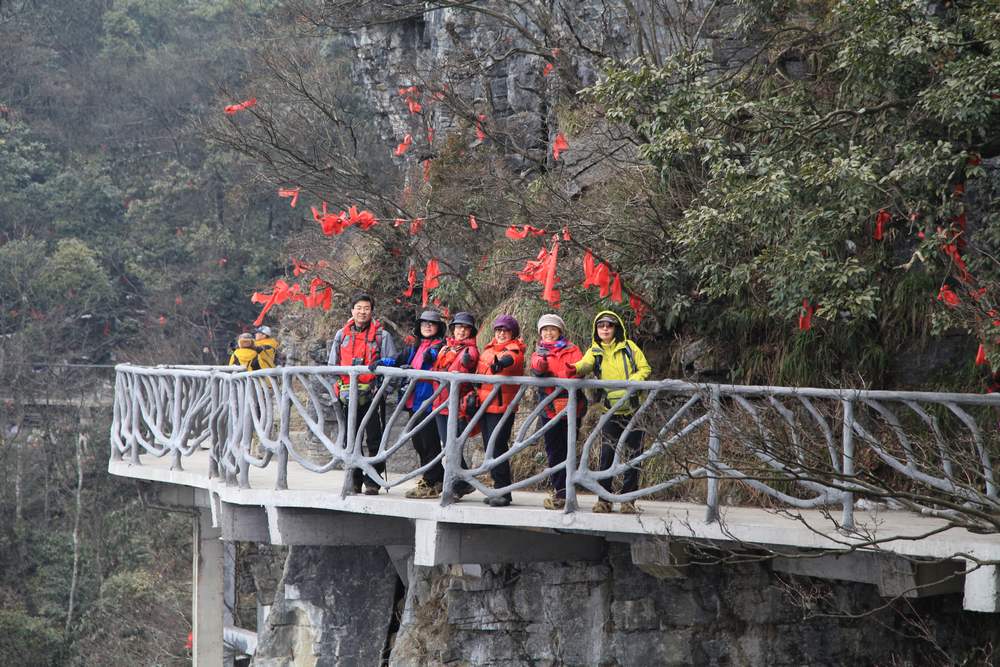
(898, 532)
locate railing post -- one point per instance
(116, 417)
(714, 450)
(571, 502)
(213, 427)
(281, 483)
(246, 433)
(452, 451)
(847, 499)
(352, 445)
(134, 425)
(175, 418)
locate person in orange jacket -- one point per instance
(504, 355)
(555, 357)
(459, 355)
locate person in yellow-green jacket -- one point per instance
(245, 354)
(614, 357)
(267, 347)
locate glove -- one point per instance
(471, 404)
(540, 365)
(467, 360)
(375, 364)
(501, 363)
(541, 351)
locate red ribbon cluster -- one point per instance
(601, 276)
(334, 224)
(882, 218)
(411, 95)
(542, 269)
(320, 296)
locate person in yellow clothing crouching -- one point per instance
(614, 357)
(246, 353)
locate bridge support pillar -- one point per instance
(207, 600)
(982, 588)
(437, 543)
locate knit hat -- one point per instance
(465, 318)
(551, 320)
(266, 330)
(508, 322)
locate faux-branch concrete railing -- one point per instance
(799, 447)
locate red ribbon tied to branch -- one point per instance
(637, 305)
(806, 316)
(882, 218)
(542, 270)
(284, 193)
(515, 234)
(981, 359)
(559, 145)
(236, 108)
(480, 134)
(431, 274)
(404, 146)
(411, 282)
(472, 222)
(948, 296)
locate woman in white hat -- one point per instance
(555, 357)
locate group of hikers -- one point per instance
(443, 346)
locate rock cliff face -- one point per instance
(336, 606)
(333, 606)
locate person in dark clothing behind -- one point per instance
(428, 341)
(361, 341)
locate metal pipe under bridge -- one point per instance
(895, 489)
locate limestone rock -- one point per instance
(333, 606)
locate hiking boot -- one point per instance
(602, 507)
(462, 490)
(499, 501)
(424, 490)
(630, 508)
(372, 490)
(554, 502)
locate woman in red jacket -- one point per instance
(504, 355)
(459, 355)
(554, 357)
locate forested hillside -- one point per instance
(124, 236)
(771, 192)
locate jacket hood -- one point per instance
(621, 334)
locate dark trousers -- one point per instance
(373, 438)
(490, 423)
(428, 446)
(555, 451)
(630, 448)
(442, 430)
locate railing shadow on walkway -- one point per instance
(786, 447)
